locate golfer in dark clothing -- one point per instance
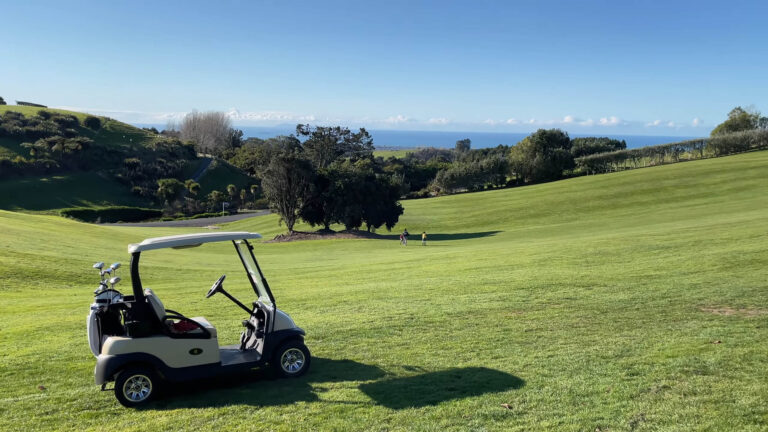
(405, 236)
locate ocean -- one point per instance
(385, 139)
(393, 139)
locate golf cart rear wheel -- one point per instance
(136, 386)
(291, 359)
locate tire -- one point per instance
(136, 386)
(291, 360)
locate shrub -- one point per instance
(111, 214)
(92, 122)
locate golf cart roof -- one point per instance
(189, 240)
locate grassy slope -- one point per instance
(55, 192)
(578, 303)
(221, 174)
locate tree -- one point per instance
(2, 101)
(210, 131)
(232, 191)
(255, 154)
(94, 123)
(324, 145)
(541, 156)
(463, 146)
(169, 189)
(192, 186)
(286, 182)
(740, 119)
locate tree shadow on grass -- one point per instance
(260, 388)
(435, 387)
(415, 237)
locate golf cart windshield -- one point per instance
(259, 283)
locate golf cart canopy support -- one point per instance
(189, 240)
(239, 239)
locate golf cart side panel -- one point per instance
(107, 367)
(176, 353)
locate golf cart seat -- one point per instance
(182, 326)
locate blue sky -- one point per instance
(655, 68)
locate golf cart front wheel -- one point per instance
(136, 386)
(291, 359)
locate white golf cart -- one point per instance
(140, 344)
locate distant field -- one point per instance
(628, 301)
(392, 153)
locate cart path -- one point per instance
(202, 168)
(202, 222)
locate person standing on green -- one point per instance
(405, 236)
(423, 238)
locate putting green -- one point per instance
(628, 301)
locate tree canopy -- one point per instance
(740, 119)
(541, 156)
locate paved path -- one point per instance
(201, 169)
(202, 222)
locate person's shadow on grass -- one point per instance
(438, 237)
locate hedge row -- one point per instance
(719, 145)
(110, 214)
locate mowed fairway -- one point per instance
(629, 301)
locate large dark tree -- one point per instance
(323, 145)
(541, 156)
(286, 182)
(255, 154)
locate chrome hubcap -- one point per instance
(137, 388)
(292, 360)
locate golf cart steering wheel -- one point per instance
(216, 286)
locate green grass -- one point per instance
(583, 304)
(220, 175)
(81, 189)
(392, 153)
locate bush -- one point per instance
(111, 214)
(92, 122)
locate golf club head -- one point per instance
(99, 265)
(115, 266)
(114, 280)
(106, 272)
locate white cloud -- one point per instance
(512, 121)
(587, 122)
(438, 121)
(490, 122)
(398, 119)
(696, 122)
(531, 121)
(654, 123)
(671, 124)
(569, 119)
(609, 121)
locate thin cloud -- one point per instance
(438, 121)
(398, 119)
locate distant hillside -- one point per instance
(45, 165)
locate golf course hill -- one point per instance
(52, 159)
(635, 300)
